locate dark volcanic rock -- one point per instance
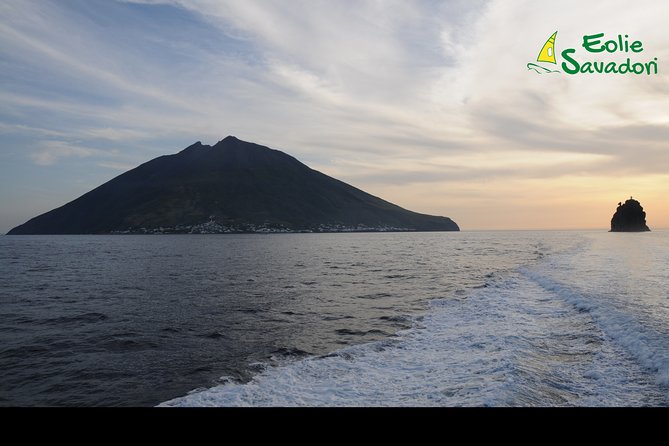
(629, 217)
(233, 186)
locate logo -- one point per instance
(546, 55)
(573, 63)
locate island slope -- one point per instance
(233, 186)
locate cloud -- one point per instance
(117, 134)
(418, 94)
(51, 151)
(20, 128)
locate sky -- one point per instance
(427, 104)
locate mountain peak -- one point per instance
(194, 148)
(229, 140)
(195, 145)
(225, 142)
(234, 186)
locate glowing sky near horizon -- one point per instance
(427, 104)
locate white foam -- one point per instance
(620, 281)
(514, 342)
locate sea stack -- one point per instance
(629, 217)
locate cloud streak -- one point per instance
(51, 151)
(404, 97)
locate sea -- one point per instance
(472, 318)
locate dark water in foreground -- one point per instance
(478, 318)
(136, 320)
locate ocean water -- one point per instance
(516, 318)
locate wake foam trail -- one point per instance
(648, 346)
(512, 343)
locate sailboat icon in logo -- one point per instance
(547, 55)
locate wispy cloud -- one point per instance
(50, 152)
(404, 97)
